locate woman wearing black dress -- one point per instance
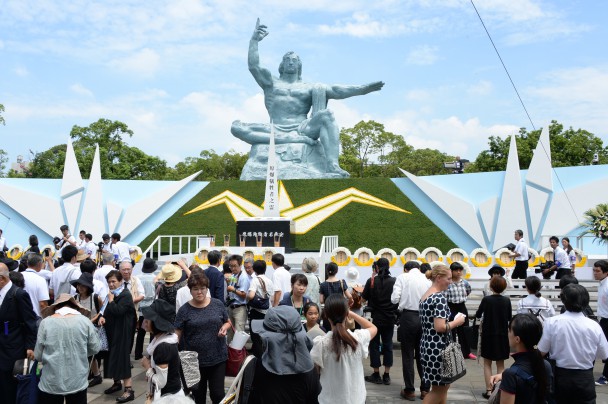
(496, 312)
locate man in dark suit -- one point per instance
(17, 333)
(217, 283)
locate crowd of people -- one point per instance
(87, 313)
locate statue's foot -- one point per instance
(334, 168)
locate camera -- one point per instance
(510, 247)
(100, 245)
(543, 266)
(56, 240)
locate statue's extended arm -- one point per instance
(338, 91)
(261, 75)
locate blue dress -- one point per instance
(432, 342)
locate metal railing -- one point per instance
(170, 245)
(328, 244)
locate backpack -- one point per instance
(525, 376)
(65, 286)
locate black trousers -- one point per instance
(561, 272)
(80, 397)
(463, 339)
(257, 347)
(214, 376)
(8, 387)
(411, 333)
(139, 339)
(521, 270)
(574, 386)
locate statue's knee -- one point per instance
(327, 117)
(238, 129)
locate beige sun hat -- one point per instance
(64, 297)
(171, 273)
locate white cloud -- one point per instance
(81, 90)
(363, 25)
(483, 87)
(144, 62)
(21, 71)
(422, 55)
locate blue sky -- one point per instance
(176, 71)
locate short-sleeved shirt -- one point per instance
(524, 390)
(36, 287)
(538, 306)
(166, 353)
(256, 286)
(522, 249)
(199, 331)
(344, 378)
(329, 288)
(240, 283)
(281, 281)
(573, 340)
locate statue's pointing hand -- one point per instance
(375, 86)
(260, 31)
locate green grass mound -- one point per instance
(357, 225)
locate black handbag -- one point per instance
(472, 333)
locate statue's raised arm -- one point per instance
(338, 91)
(261, 75)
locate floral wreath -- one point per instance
(433, 264)
(363, 263)
(390, 251)
(263, 254)
(407, 251)
(465, 256)
(197, 257)
(466, 269)
(136, 254)
(18, 254)
(335, 252)
(583, 259)
(543, 252)
(500, 262)
(534, 259)
(474, 261)
(249, 250)
(596, 222)
(428, 250)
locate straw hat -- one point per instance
(81, 256)
(171, 273)
(64, 297)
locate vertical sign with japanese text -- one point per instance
(271, 196)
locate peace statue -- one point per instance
(306, 147)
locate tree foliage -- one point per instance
(1, 117)
(370, 151)
(568, 148)
(3, 161)
(227, 166)
(118, 159)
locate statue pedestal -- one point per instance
(270, 228)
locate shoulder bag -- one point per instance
(452, 360)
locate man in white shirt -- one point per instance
(67, 239)
(35, 285)
(520, 254)
(407, 291)
(90, 248)
(281, 279)
(107, 243)
(65, 273)
(132, 283)
(107, 259)
(561, 260)
(81, 242)
(120, 249)
(600, 273)
(574, 342)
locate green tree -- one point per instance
(118, 159)
(227, 166)
(3, 161)
(568, 148)
(1, 117)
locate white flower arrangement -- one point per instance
(15, 252)
(338, 250)
(359, 252)
(465, 256)
(197, 256)
(499, 261)
(388, 251)
(534, 259)
(265, 252)
(582, 257)
(433, 264)
(466, 269)
(407, 251)
(428, 250)
(483, 251)
(544, 252)
(136, 253)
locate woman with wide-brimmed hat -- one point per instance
(162, 360)
(66, 338)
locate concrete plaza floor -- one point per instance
(466, 390)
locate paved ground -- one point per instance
(466, 390)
